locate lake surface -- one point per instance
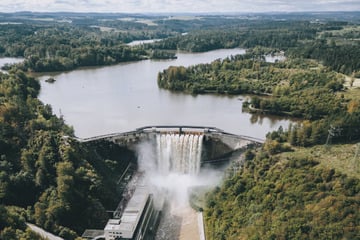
(7, 60)
(123, 97)
(140, 42)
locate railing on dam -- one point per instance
(207, 131)
(180, 128)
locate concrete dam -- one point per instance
(217, 145)
(170, 163)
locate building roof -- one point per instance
(92, 233)
(131, 215)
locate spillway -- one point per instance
(179, 153)
(178, 160)
(168, 168)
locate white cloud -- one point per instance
(178, 5)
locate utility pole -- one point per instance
(356, 164)
(332, 132)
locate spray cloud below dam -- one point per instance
(176, 165)
(171, 165)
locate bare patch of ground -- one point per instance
(356, 82)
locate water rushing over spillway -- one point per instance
(179, 153)
(178, 158)
(171, 166)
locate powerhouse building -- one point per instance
(138, 220)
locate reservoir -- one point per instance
(123, 97)
(9, 60)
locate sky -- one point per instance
(158, 6)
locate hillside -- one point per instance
(305, 194)
(53, 180)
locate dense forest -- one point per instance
(54, 181)
(332, 43)
(64, 42)
(285, 191)
(60, 48)
(67, 43)
(48, 178)
(284, 197)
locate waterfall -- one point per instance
(180, 153)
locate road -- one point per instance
(43, 233)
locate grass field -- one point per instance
(352, 93)
(342, 158)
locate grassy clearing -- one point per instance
(339, 157)
(352, 93)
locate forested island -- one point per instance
(302, 184)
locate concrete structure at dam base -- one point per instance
(138, 217)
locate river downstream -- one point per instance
(123, 97)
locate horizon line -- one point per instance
(182, 12)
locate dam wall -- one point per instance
(217, 144)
